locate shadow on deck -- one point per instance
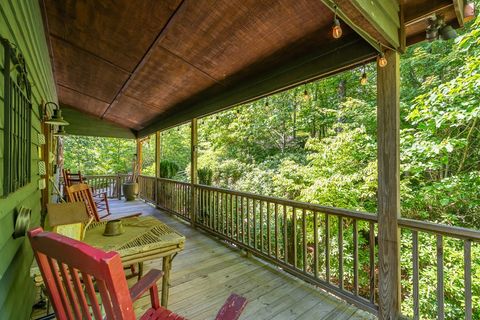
(206, 272)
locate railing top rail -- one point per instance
(91, 176)
(299, 205)
(451, 231)
(174, 181)
(146, 177)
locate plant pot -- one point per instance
(130, 190)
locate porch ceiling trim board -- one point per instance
(84, 124)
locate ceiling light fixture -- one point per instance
(56, 118)
(438, 29)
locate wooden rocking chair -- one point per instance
(100, 198)
(69, 269)
(82, 193)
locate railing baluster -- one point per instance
(355, 257)
(242, 216)
(467, 262)
(224, 213)
(231, 216)
(340, 252)
(217, 210)
(304, 239)
(285, 234)
(269, 245)
(327, 248)
(255, 243)
(248, 222)
(276, 231)
(237, 233)
(416, 309)
(372, 262)
(294, 235)
(261, 226)
(440, 294)
(315, 244)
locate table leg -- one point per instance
(140, 270)
(167, 265)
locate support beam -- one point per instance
(193, 168)
(388, 133)
(383, 15)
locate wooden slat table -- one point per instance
(144, 239)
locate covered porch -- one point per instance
(129, 69)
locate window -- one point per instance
(17, 120)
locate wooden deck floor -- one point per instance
(206, 272)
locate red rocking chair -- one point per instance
(69, 269)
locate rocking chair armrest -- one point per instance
(145, 283)
(232, 308)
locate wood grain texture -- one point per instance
(114, 37)
(388, 155)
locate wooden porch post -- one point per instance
(193, 169)
(388, 133)
(157, 164)
(139, 156)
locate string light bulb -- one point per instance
(382, 61)
(306, 96)
(336, 29)
(364, 79)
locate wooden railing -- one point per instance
(333, 248)
(147, 188)
(459, 239)
(110, 184)
(175, 197)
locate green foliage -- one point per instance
(168, 169)
(205, 176)
(93, 155)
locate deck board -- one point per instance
(207, 271)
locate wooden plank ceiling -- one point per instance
(148, 64)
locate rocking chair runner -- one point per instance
(69, 179)
(69, 268)
(81, 193)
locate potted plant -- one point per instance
(130, 186)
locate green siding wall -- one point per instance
(21, 23)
